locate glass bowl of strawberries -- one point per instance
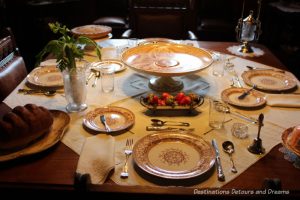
(167, 101)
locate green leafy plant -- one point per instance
(67, 48)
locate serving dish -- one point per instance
(60, 123)
(195, 102)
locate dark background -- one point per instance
(216, 21)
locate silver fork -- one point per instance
(128, 152)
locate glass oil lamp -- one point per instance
(248, 30)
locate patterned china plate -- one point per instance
(173, 155)
(269, 80)
(254, 99)
(60, 122)
(284, 137)
(118, 66)
(46, 76)
(117, 118)
(92, 31)
(166, 59)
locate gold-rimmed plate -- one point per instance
(285, 136)
(46, 76)
(269, 80)
(253, 99)
(60, 122)
(118, 65)
(173, 155)
(92, 31)
(117, 118)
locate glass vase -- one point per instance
(75, 88)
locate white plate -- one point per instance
(253, 99)
(173, 155)
(269, 80)
(60, 122)
(117, 118)
(47, 76)
(118, 65)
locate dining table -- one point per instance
(56, 168)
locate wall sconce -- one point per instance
(248, 29)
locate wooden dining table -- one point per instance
(54, 169)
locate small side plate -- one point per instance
(253, 99)
(118, 65)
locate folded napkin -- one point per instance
(283, 100)
(97, 157)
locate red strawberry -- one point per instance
(165, 95)
(179, 96)
(155, 100)
(185, 100)
(161, 102)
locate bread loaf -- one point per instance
(23, 125)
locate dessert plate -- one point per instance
(92, 31)
(117, 118)
(60, 122)
(46, 76)
(118, 65)
(269, 80)
(253, 99)
(173, 155)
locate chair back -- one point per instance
(12, 65)
(162, 18)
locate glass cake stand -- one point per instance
(166, 60)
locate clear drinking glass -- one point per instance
(218, 65)
(217, 113)
(107, 78)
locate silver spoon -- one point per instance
(229, 148)
(45, 92)
(158, 122)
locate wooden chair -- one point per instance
(12, 66)
(175, 19)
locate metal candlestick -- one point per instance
(248, 29)
(256, 147)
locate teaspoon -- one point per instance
(229, 148)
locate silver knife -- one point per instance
(221, 176)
